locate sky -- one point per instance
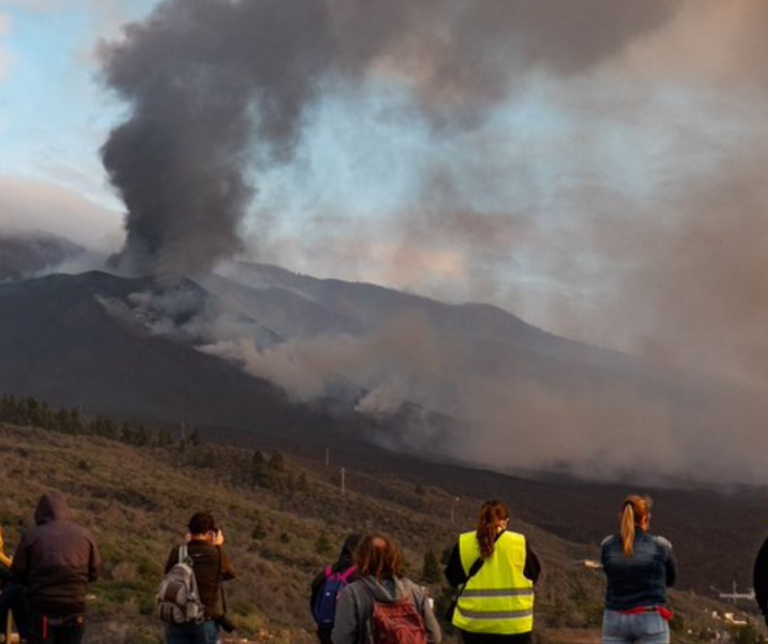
(596, 167)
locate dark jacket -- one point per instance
(211, 565)
(639, 580)
(55, 560)
(760, 578)
(355, 607)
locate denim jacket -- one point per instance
(639, 580)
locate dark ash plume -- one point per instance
(218, 87)
(202, 77)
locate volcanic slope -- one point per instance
(82, 340)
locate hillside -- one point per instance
(32, 253)
(282, 517)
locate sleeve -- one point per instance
(434, 634)
(346, 624)
(604, 551)
(671, 567)
(227, 569)
(94, 562)
(532, 568)
(759, 578)
(454, 571)
(19, 569)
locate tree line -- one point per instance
(30, 412)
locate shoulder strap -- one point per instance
(347, 573)
(183, 554)
(473, 570)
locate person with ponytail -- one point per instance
(639, 567)
(494, 570)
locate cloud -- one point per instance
(30, 205)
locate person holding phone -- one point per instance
(212, 566)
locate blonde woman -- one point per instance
(639, 567)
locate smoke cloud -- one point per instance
(596, 167)
(218, 89)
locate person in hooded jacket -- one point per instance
(55, 561)
(344, 563)
(378, 562)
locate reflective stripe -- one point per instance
(507, 614)
(500, 592)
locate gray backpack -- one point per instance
(178, 600)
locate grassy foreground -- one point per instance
(283, 519)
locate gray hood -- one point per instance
(387, 590)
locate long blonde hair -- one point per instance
(634, 512)
(491, 520)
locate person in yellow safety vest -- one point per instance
(494, 570)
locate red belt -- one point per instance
(661, 610)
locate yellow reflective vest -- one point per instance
(498, 599)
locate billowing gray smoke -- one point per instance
(217, 88)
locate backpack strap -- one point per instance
(346, 574)
(183, 554)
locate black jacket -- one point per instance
(55, 560)
(760, 578)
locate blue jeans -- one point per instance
(640, 628)
(203, 633)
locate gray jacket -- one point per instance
(354, 608)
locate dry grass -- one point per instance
(137, 501)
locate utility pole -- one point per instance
(453, 509)
(343, 482)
